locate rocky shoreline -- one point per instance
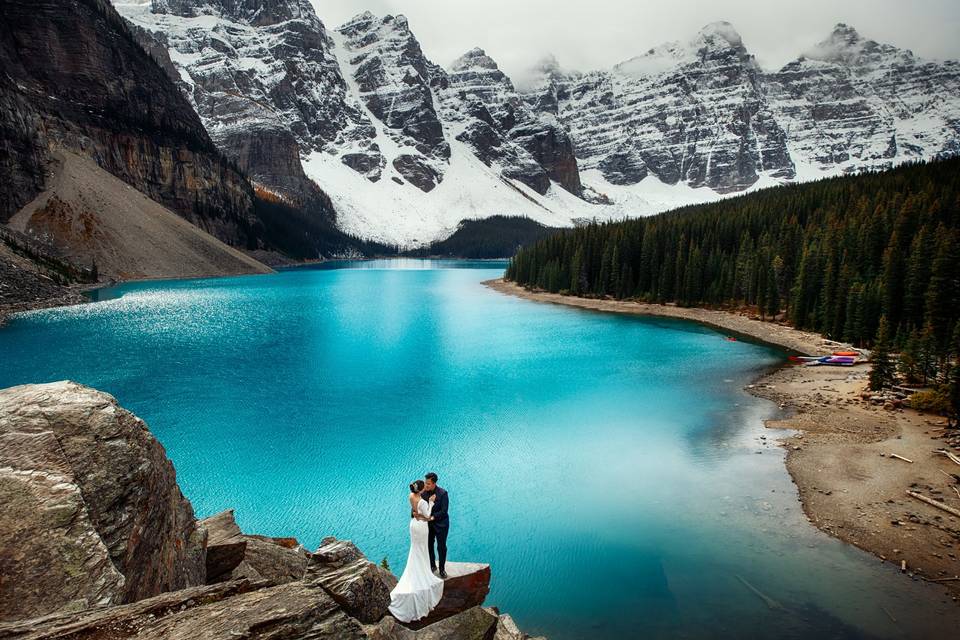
(97, 541)
(841, 454)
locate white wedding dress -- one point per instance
(419, 590)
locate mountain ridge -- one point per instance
(682, 123)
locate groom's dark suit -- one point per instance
(439, 527)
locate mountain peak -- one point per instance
(548, 64)
(255, 12)
(846, 32)
(361, 19)
(722, 33)
(845, 46)
(717, 40)
(473, 59)
(399, 21)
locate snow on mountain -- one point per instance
(263, 78)
(406, 149)
(689, 113)
(703, 113)
(850, 104)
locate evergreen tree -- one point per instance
(882, 372)
(953, 383)
(943, 292)
(577, 273)
(909, 365)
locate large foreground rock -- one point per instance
(92, 513)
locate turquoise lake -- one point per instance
(609, 468)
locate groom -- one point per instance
(439, 524)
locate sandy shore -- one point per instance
(839, 458)
(788, 338)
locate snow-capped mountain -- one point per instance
(406, 149)
(851, 103)
(691, 113)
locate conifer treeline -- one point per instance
(831, 256)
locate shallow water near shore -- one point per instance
(611, 469)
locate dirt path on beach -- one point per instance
(840, 457)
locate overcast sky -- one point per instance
(590, 34)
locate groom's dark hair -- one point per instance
(431, 476)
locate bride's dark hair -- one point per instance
(417, 486)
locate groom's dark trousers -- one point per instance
(438, 529)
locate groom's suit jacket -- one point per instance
(440, 516)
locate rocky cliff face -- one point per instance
(358, 106)
(78, 80)
(93, 514)
(263, 80)
(407, 149)
(502, 130)
(97, 541)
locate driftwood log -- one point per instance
(934, 503)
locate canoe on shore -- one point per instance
(813, 361)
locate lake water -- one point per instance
(609, 468)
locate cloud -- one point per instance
(601, 33)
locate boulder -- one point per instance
(276, 560)
(226, 545)
(361, 587)
(507, 629)
(92, 511)
(466, 586)
(475, 623)
(232, 554)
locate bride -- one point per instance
(419, 590)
